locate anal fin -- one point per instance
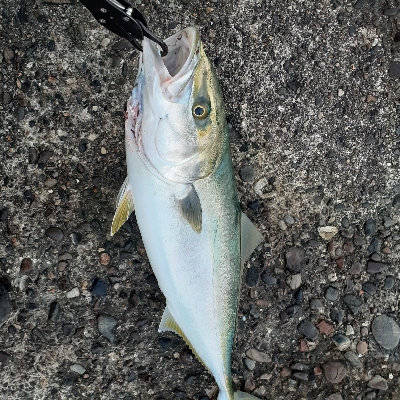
(168, 323)
(250, 238)
(125, 207)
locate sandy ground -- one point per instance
(312, 98)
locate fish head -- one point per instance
(176, 118)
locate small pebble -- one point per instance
(78, 369)
(389, 282)
(55, 233)
(282, 225)
(334, 371)
(325, 328)
(355, 269)
(269, 280)
(294, 259)
(308, 330)
(374, 267)
(247, 173)
(105, 259)
(99, 287)
(249, 363)
(362, 347)
(342, 342)
(258, 356)
(26, 266)
(295, 281)
(331, 294)
(107, 326)
(105, 42)
(73, 293)
(377, 382)
(336, 315)
(369, 227)
(289, 219)
(369, 287)
(354, 303)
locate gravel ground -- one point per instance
(312, 98)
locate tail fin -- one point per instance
(244, 396)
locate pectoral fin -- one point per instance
(244, 396)
(190, 207)
(250, 238)
(125, 207)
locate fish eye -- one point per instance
(200, 111)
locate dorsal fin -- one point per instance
(190, 207)
(250, 238)
(125, 207)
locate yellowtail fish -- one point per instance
(181, 185)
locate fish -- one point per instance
(181, 184)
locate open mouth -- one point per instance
(176, 68)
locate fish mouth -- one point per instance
(175, 69)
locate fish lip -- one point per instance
(151, 61)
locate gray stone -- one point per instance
(55, 233)
(342, 342)
(246, 173)
(336, 315)
(374, 246)
(387, 222)
(377, 382)
(353, 303)
(269, 280)
(303, 376)
(308, 330)
(297, 366)
(389, 282)
(353, 359)
(249, 363)
(374, 267)
(289, 219)
(396, 201)
(355, 269)
(369, 227)
(294, 259)
(78, 368)
(258, 356)
(331, 293)
(107, 326)
(386, 331)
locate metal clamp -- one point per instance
(124, 20)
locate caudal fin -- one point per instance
(244, 396)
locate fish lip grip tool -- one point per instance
(124, 20)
